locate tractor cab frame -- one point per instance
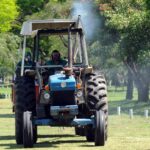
(38, 28)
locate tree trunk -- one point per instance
(3, 79)
(143, 92)
(129, 93)
(141, 78)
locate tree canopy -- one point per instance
(8, 13)
(9, 50)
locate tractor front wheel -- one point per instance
(28, 139)
(80, 131)
(99, 128)
(90, 134)
(35, 135)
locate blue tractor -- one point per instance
(72, 96)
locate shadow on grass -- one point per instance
(126, 105)
(5, 137)
(11, 146)
(57, 142)
(86, 145)
(7, 115)
(57, 135)
(12, 137)
(51, 143)
(7, 108)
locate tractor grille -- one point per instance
(62, 98)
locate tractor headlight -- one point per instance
(46, 96)
(79, 93)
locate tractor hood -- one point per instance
(59, 82)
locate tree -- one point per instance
(131, 21)
(28, 7)
(8, 13)
(9, 53)
(8, 41)
(53, 9)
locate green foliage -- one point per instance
(8, 13)
(148, 4)
(125, 14)
(59, 1)
(53, 9)
(130, 20)
(9, 53)
(28, 7)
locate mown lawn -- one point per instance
(5, 90)
(124, 133)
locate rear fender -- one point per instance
(13, 97)
(37, 92)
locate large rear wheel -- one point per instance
(35, 135)
(25, 101)
(19, 108)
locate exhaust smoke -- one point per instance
(89, 16)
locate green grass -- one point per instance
(124, 133)
(119, 93)
(117, 98)
(5, 90)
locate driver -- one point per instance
(56, 59)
